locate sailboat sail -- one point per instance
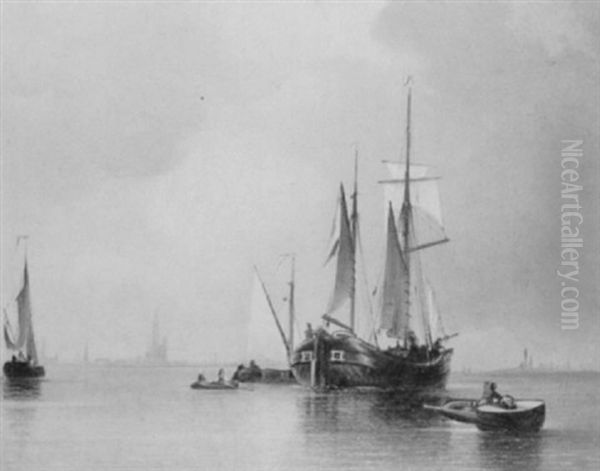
(394, 314)
(25, 339)
(425, 202)
(435, 319)
(8, 336)
(344, 247)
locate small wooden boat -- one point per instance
(527, 415)
(214, 385)
(22, 369)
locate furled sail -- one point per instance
(344, 248)
(427, 219)
(394, 316)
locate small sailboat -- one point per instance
(24, 362)
(415, 358)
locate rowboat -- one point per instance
(527, 415)
(213, 385)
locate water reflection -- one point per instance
(508, 451)
(406, 409)
(381, 429)
(329, 411)
(21, 388)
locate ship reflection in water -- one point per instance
(21, 388)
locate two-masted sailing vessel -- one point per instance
(24, 361)
(415, 357)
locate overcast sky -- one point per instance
(155, 151)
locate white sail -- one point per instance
(344, 248)
(425, 201)
(394, 315)
(435, 319)
(8, 336)
(265, 345)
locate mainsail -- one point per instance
(394, 297)
(344, 248)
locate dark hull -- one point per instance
(528, 416)
(19, 369)
(522, 419)
(265, 375)
(334, 361)
(214, 386)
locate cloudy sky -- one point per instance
(154, 152)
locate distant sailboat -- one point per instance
(24, 362)
(417, 358)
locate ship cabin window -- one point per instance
(306, 356)
(337, 355)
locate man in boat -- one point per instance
(413, 347)
(490, 395)
(221, 376)
(254, 371)
(201, 379)
(437, 347)
(308, 333)
(237, 375)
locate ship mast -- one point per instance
(406, 208)
(292, 309)
(354, 229)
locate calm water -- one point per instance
(149, 419)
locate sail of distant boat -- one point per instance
(25, 340)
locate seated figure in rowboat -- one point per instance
(490, 395)
(221, 376)
(201, 379)
(493, 397)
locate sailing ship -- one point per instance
(416, 357)
(24, 362)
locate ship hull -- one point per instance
(20, 369)
(339, 360)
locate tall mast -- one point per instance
(354, 229)
(292, 308)
(406, 207)
(274, 313)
